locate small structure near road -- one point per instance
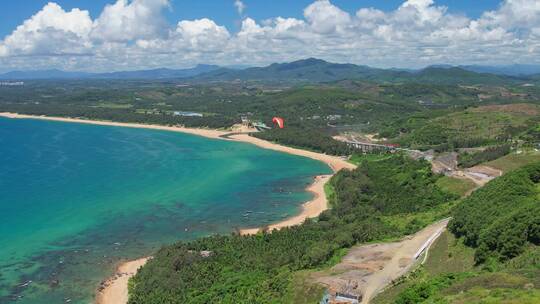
(344, 297)
(187, 114)
(248, 124)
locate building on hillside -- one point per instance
(346, 294)
(187, 114)
(245, 121)
(11, 83)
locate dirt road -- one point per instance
(367, 269)
(447, 164)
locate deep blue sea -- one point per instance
(75, 199)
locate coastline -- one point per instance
(209, 133)
(334, 162)
(114, 290)
(310, 209)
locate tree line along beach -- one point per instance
(114, 289)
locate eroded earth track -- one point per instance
(368, 269)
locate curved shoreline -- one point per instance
(114, 289)
(310, 209)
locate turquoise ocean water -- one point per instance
(75, 199)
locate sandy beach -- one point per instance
(310, 209)
(201, 132)
(336, 163)
(115, 288)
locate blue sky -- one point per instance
(223, 12)
(105, 35)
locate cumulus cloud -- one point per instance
(52, 31)
(126, 21)
(200, 35)
(326, 18)
(135, 34)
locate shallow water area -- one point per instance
(75, 199)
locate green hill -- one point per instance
(492, 252)
(503, 218)
(469, 128)
(317, 70)
(307, 70)
(262, 268)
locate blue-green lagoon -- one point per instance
(75, 199)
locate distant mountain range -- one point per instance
(316, 70)
(517, 70)
(162, 73)
(509, 70)
(43, 74)
(308, 70)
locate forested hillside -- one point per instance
(501, 219)
(261, 268)
(310, 70)
(492, 253)
(471, 117)
(314, 70)
(441, 115)
(495, 124)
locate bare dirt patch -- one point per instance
(367, 269)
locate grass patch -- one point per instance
(302, 289)
(449, 254)
(446, 255)
(487, 121)
(496, 296)
(515, 282)
(471, 127)
(413, 222)
(514, 161)
(454, 185)
(488, 281)
(358, 158)
(330, 193)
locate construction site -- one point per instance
(367, 269)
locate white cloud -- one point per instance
(126, 21)
(200, 35)
(326, 18)
(514, 14)
(51, 31)
(240, 7)
(135, 34)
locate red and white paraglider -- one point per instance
(279, 122)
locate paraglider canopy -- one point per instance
(278, 121)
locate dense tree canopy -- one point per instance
(259, 268)
(500, 219)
